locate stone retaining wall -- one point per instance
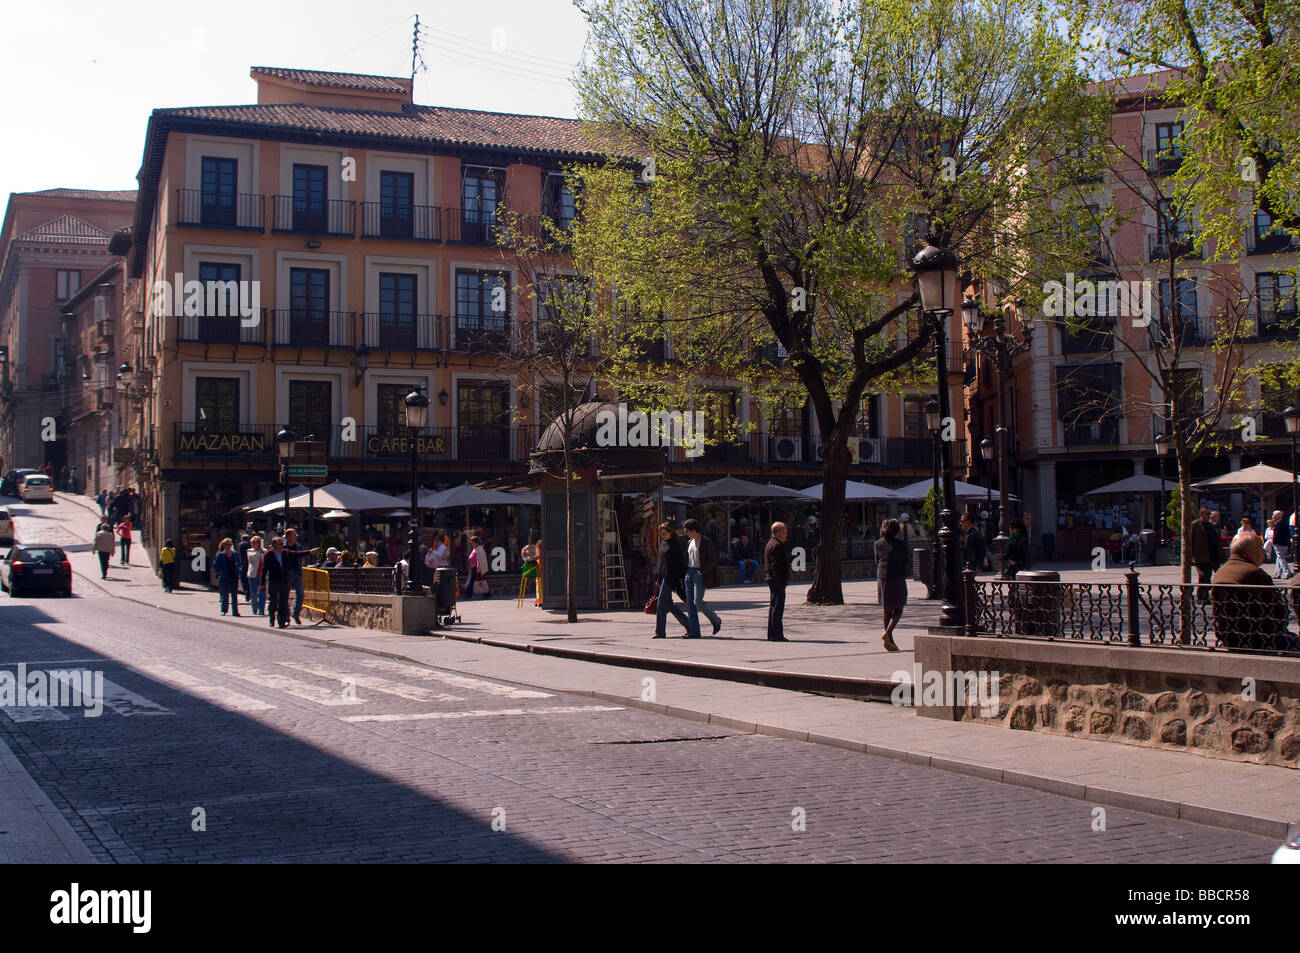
(1220, 704)
(361, 610)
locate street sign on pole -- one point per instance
(308, 472)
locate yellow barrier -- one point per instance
(316, 590)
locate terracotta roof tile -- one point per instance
(311, 77)
(66, 230)
(120, 195)
(433, 124)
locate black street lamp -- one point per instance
(1163, 446)
(284, 443)
(990, 338)
(1292, 418)
(417, 413)
(986, 454)
(936, 279)
(933, 419)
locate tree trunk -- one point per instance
(827, 586)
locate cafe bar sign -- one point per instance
(399, 445)
(223, 443)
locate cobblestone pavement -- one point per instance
(291, 751)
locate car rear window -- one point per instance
(37, 481)
(41, 554)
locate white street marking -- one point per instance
(449, 715)
(33, 713)
(456, 681)
(127, 703)
(219, 695)
(290, 686)
(414, 692)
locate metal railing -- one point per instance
(470, 226)
(486, 335)
(235, 210)
(1277, 323)
(418, 223)
(223, 329)
(313, 216)
(1164, 161)
(1161, 246)
(1270, 242)
(1176, 615)
(308, 327)
(436, 445)
(416, 332)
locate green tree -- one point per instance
(793, 155)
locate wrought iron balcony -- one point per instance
(235, 210)
(314, 216)
(1164, 161)
(1160, 246)
(416, 332)
(310, 327)
(471, 226)
(223, 329)
(419, 223)
(1270, 242)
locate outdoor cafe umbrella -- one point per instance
(1261, 480)
(1139, 483)
(255, 506)
(728, 491)
(468, 495)
(855, 492)
(336, 495)
(962, 492)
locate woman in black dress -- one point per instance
(891, 578)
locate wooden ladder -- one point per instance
(613, 576)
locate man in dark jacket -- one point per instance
(275, 571)
(1206, 553)
(776, 559)
(1248, 612)
(245, 544)
(1017, 554)
(973, 547)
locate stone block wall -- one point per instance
(361, 611)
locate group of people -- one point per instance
(1249, 612)
(106, 537)
(120, 502)
(264, 577)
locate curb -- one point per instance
(839, 686)
(1162, 807)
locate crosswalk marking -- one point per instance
(455, 681)
(33, 713)
(290, 686)
(414, 692)
(127, 703)
(219, 695)
(450, 715)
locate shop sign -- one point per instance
(223, 443)
(396, 445)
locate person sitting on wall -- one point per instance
(1249, 613)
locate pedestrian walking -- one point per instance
(167, 563)
(701, 574)
(776, 561)
(973, 547)
(244, 544)
(275, 573)
(256, 584)
(1016, 557)
(891, 578)
(226, 568)
(1275, 549)
(103, 548)
(1206, 555)
(124, 536)
(477, 584)
(671, 573)
(294, 555)
(102, 500)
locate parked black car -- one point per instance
(9, 485)
(32, 567)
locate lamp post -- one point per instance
(932, 423)
(417, 413)
(990, 337)
(986, 454)
(1163, 446)
(936, 278)
(284, 443)
(1292, 418)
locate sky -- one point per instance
(83, 77)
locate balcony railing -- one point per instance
(1160, 247)
(483, 335)
(314, 216)
(1278, 323)
(470, 226)
(224, 329)
(220, 210)
(1097, 337)
(1270, 242)
(1105, 433)
(417, 332)
(305, 327)
(1164, 161)
(420, 223)
(1189, 330)
(797, 448)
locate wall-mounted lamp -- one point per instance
(314, 243)
(124, 369)
(85, 375)
(442, 397)
(362, 361)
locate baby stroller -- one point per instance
(446, 586)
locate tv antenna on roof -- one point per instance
(416, 58)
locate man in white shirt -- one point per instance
(701, 571)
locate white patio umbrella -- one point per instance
(336, 515)
(964, 492)
(855, 491)
(1139, 483)
(255, 505)
(1261, 480)
(728, 491)
(336, 495)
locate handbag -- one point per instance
(480, 587)
(652, 606)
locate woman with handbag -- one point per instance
(671, 573)
(478, 567)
